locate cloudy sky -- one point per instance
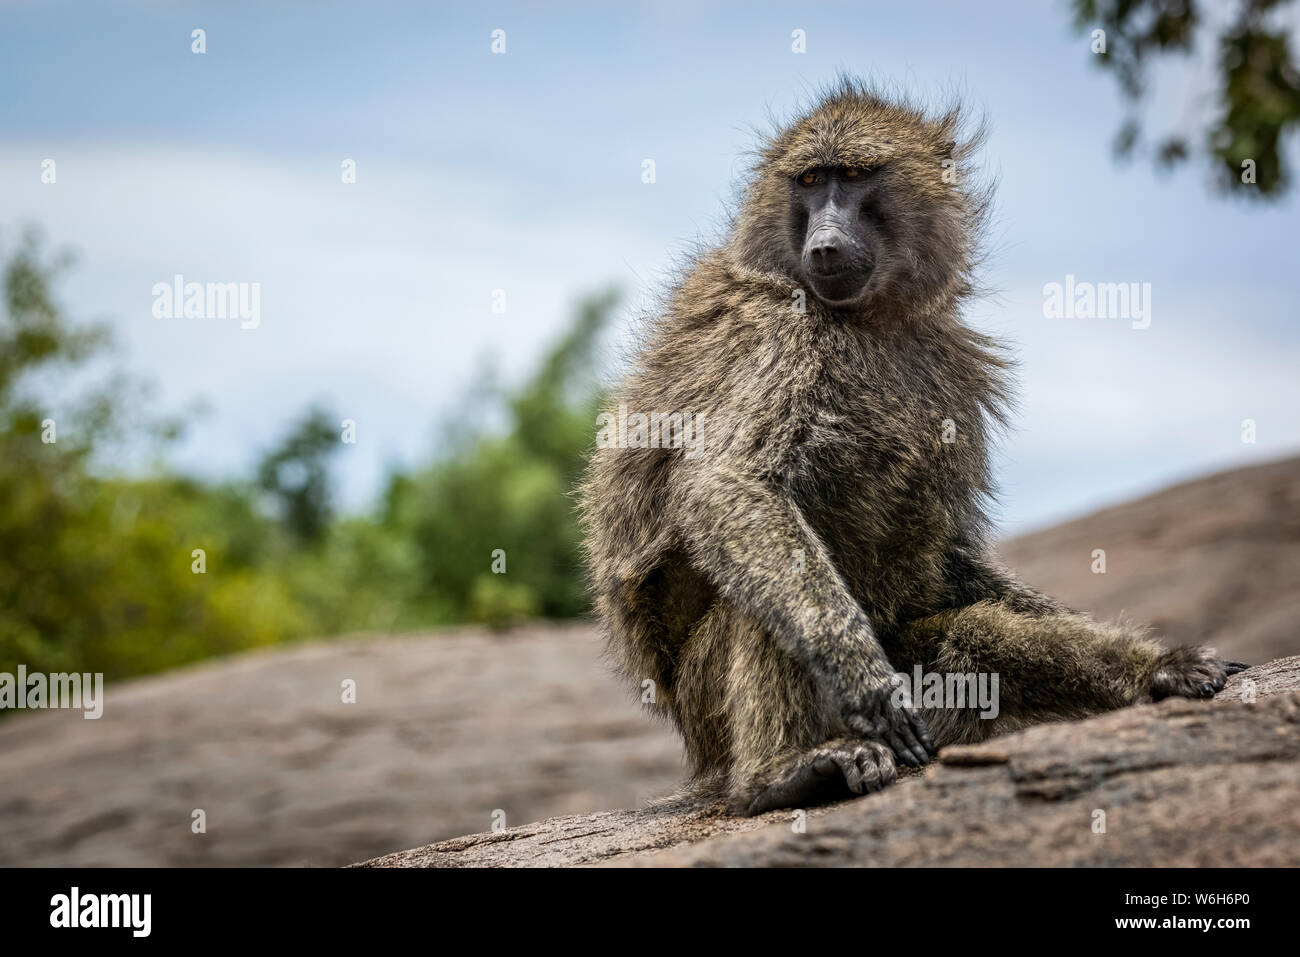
(522, 172)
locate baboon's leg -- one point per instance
(698, 702)
(786, 747)
(1049, 667)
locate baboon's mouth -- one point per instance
(840, 288)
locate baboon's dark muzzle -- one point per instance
(824, 251)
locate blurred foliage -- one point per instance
(97, 568)
(1257, 83)
(296, 475)
(510, 491)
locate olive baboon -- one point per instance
(828, 528)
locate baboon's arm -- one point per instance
(976, 576)
(751, 539)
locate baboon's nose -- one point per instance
(824, 251)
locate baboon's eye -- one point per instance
(852, 172)
(811, 178)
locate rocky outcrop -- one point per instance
(1214, 561)
(454, 727)
(1178, 783)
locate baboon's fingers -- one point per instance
(852, 774)
(870, 775)
(1234, 667)
(824, 765)
(876, 774)
(898, 734)
(888, 770)
(907, 732)
(923, 732)
(901, 749)
(860, 725)
(794, 789)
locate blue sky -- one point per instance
(522, 172)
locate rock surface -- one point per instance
(451, 726)
(1214, 561)
(1180, 783)
(446, 729)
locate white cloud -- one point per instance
(376, 295)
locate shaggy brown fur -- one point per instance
(823, 535)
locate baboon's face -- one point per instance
(837, 229)
(864, 204)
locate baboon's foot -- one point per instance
(827, 773)
(1192, 673)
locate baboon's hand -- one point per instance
(876, 714)
(863, 766)
(1191, 672)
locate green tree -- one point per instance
(97, 570)
(508, 493)
(1258, 84)
(295, 474)
(129, 573)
